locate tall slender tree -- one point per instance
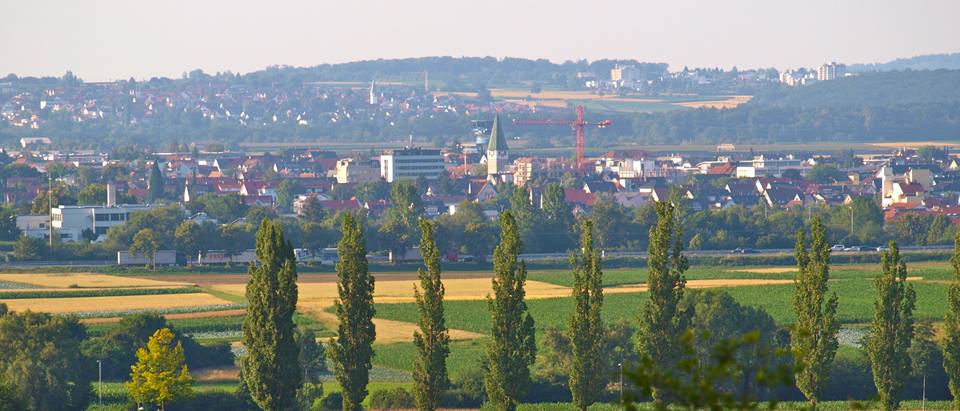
(662, 321)
(891, 331)
(155, 183)
(951, 340)
(586, 331)
(513, 347)
(352, 351)
(814, 335)
(270, 368)
(432, 339)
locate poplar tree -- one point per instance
(155, 183)
(513, 348)
(814, 335)
(352, 351)
(951, 339)
(271, 369)
(662, 321)
(432, 339)
(586, 331)
(892, 329)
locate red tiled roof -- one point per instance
(575, 196)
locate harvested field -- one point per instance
(401, 291)
(730, 102)
(94, 304)
(217, 374)
(713, 283)
(86, 280)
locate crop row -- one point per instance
(106, 292)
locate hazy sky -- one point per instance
(110, 39)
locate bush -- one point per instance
(309, 395)
(333, 401)
(392, 399)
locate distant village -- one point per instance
(904, 181)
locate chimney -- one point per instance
(111, 195)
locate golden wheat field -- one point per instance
(730, 102)
(86, 280)
(117, 303)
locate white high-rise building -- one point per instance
(831, 71)
(411, 163)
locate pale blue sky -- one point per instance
(110, 39)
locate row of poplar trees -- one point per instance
(271, 374)
(814, 334)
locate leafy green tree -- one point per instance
(951, 339)
(42, 362)
(155, 184)
(718, 317)
(352, 351)
(30, 249)
(585, 329)
(697, 386)
(286, 192)
(662, 322)
(189, 239)
(432, 338)
(892, 329)
(61, 196)
(270, 369)
(223, 207)
(312, 355)
(814, 335)
(93, 194)
(612, 221)
(512, 349)
(146, 244)
(558, 220)
(398, 231)
(311, 210)
(528, 219)
(468, 232)
(160, 374)
(923, 352)
(8, 224)
(825, 174)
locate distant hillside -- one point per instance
(870, 89)
(949, 61)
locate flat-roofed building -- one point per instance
(70, 222)
(411, 163)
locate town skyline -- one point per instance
(106, 40)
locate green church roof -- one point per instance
(498, 140)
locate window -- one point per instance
(102, 217)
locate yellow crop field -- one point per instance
(85, 280)
(119, 303)
(730, 102)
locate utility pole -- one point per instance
(50, 208)
(621, 384)
(100, 383)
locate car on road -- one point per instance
(739, 250)
(859, 248)
(837, 247)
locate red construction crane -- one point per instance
(579, 124)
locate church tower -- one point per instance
(497, 157)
